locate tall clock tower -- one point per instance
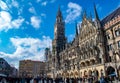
(59, 41)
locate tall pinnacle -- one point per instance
(95, 12)
(59, 14)
(59, 17)
(76, 29)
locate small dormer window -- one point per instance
(117, 32)
(108, 36)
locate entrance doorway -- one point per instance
(110, 71)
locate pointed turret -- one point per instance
(84, 15)
(59, 17)
(95, 12)
(59, 14)
(76, 29)
(97, 20)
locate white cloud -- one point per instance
(7, 5)
(35, 21)
(44, 3)
(3, 5)
(32, 10)
(12, 3)
(73, 12)
(15, 4)
(17, 23)
(28, 48)
(20, 10)
(7, 23)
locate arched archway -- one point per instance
(110, 70)
(82, 64)
(87, 63)
(60, 75)
(92, 61)
(90, 72)
(81, 74)
(71, 75)
(95, 73)
(76, 74)
(85, 73)
(101, 72)
(67, 74)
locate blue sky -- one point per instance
(27, 26)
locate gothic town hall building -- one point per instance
(95, 50)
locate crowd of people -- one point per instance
(89, 80)
(58, 80)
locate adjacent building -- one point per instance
(7, 69)
(14, 72)
(29, 68)
(95, 50)
(111, 26)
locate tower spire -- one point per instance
(59, 14)
(97, 20)
(95, 12)
(59, 17)
(84, 15)
(76, 29)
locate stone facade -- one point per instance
(111, 25)
(93, 52)
(29, 68)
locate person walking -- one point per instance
(102, 80)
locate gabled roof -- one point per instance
(111, 16)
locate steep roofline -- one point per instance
(110, 16)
